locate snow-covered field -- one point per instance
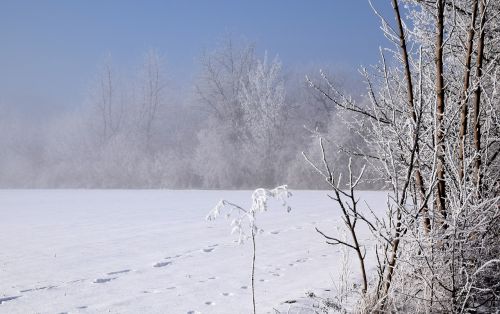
(152, 251)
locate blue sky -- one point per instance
(52, 49)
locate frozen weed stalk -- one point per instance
(240, 216)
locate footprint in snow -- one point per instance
(243, 287)
(212, 278)
(104, 280)
(161, 264)
(83, 307)
(36, 289)
(119, 272)
(208, 250)
(275, 232)
(6, 299)
(210, 303)
(193, 312)
(227, 294)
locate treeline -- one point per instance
(242, 123)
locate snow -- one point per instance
(152, 251)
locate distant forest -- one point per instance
(242, 123)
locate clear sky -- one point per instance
(51, 49)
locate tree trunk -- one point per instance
(464, 99)
(439, 135)
(477, 98)
(253, 272)
(411, 107)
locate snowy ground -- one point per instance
(151, 251)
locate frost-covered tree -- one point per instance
(244, 221)
(244, 134)
(265, 118)
(223, 73)
(434, 119)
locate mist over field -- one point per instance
(231, 128)
(138, 98)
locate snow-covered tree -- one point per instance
(223, 74)
(434, 119)
(245, 130)
(265, 118)
(244, 221)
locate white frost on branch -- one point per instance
(260, 198)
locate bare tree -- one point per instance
(108, 102)
(152, 91)
(349, 206)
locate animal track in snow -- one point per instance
(275, 232)
(119, 272)
(6, 299)
(208, 250)
(210, 303)
(104, 280)
(82, 307)
(35, 289)
(161, 264)
(227, 294)
(193, 312)
(244, 287)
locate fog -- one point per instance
(242, 121)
